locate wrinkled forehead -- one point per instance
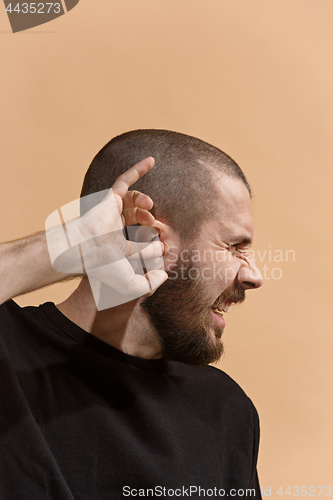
(233, 215)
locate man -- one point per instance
(116, 402)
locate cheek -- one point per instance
(228, 272)
(219, 275)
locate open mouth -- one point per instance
(221, 306)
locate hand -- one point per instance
(97, 241)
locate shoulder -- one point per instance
(229, 415)
(8, 306)
(209, 377)
(219, 391)
(12, 314)
(22, 328)
(9, 312)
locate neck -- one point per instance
(125, 327)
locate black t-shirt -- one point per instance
(81, 420)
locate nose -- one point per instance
(249, 276)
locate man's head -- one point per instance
(202, 197)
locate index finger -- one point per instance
(124, 181)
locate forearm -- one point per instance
(25, 265)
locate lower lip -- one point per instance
(217, 320)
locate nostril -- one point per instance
(249, 283)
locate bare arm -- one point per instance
(25, 266)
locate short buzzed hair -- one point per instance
(181, 184)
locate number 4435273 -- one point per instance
(303, 491)
(35, 8)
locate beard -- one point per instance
(180, 315)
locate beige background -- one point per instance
(253, 77)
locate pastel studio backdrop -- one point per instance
(254, 78)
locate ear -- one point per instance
(172, 243)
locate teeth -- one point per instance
(216, 303)
(221, 306)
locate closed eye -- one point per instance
(234, 248)
(240, 248)
(243, 242)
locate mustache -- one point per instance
(234, 294)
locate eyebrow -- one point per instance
(242, 240)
